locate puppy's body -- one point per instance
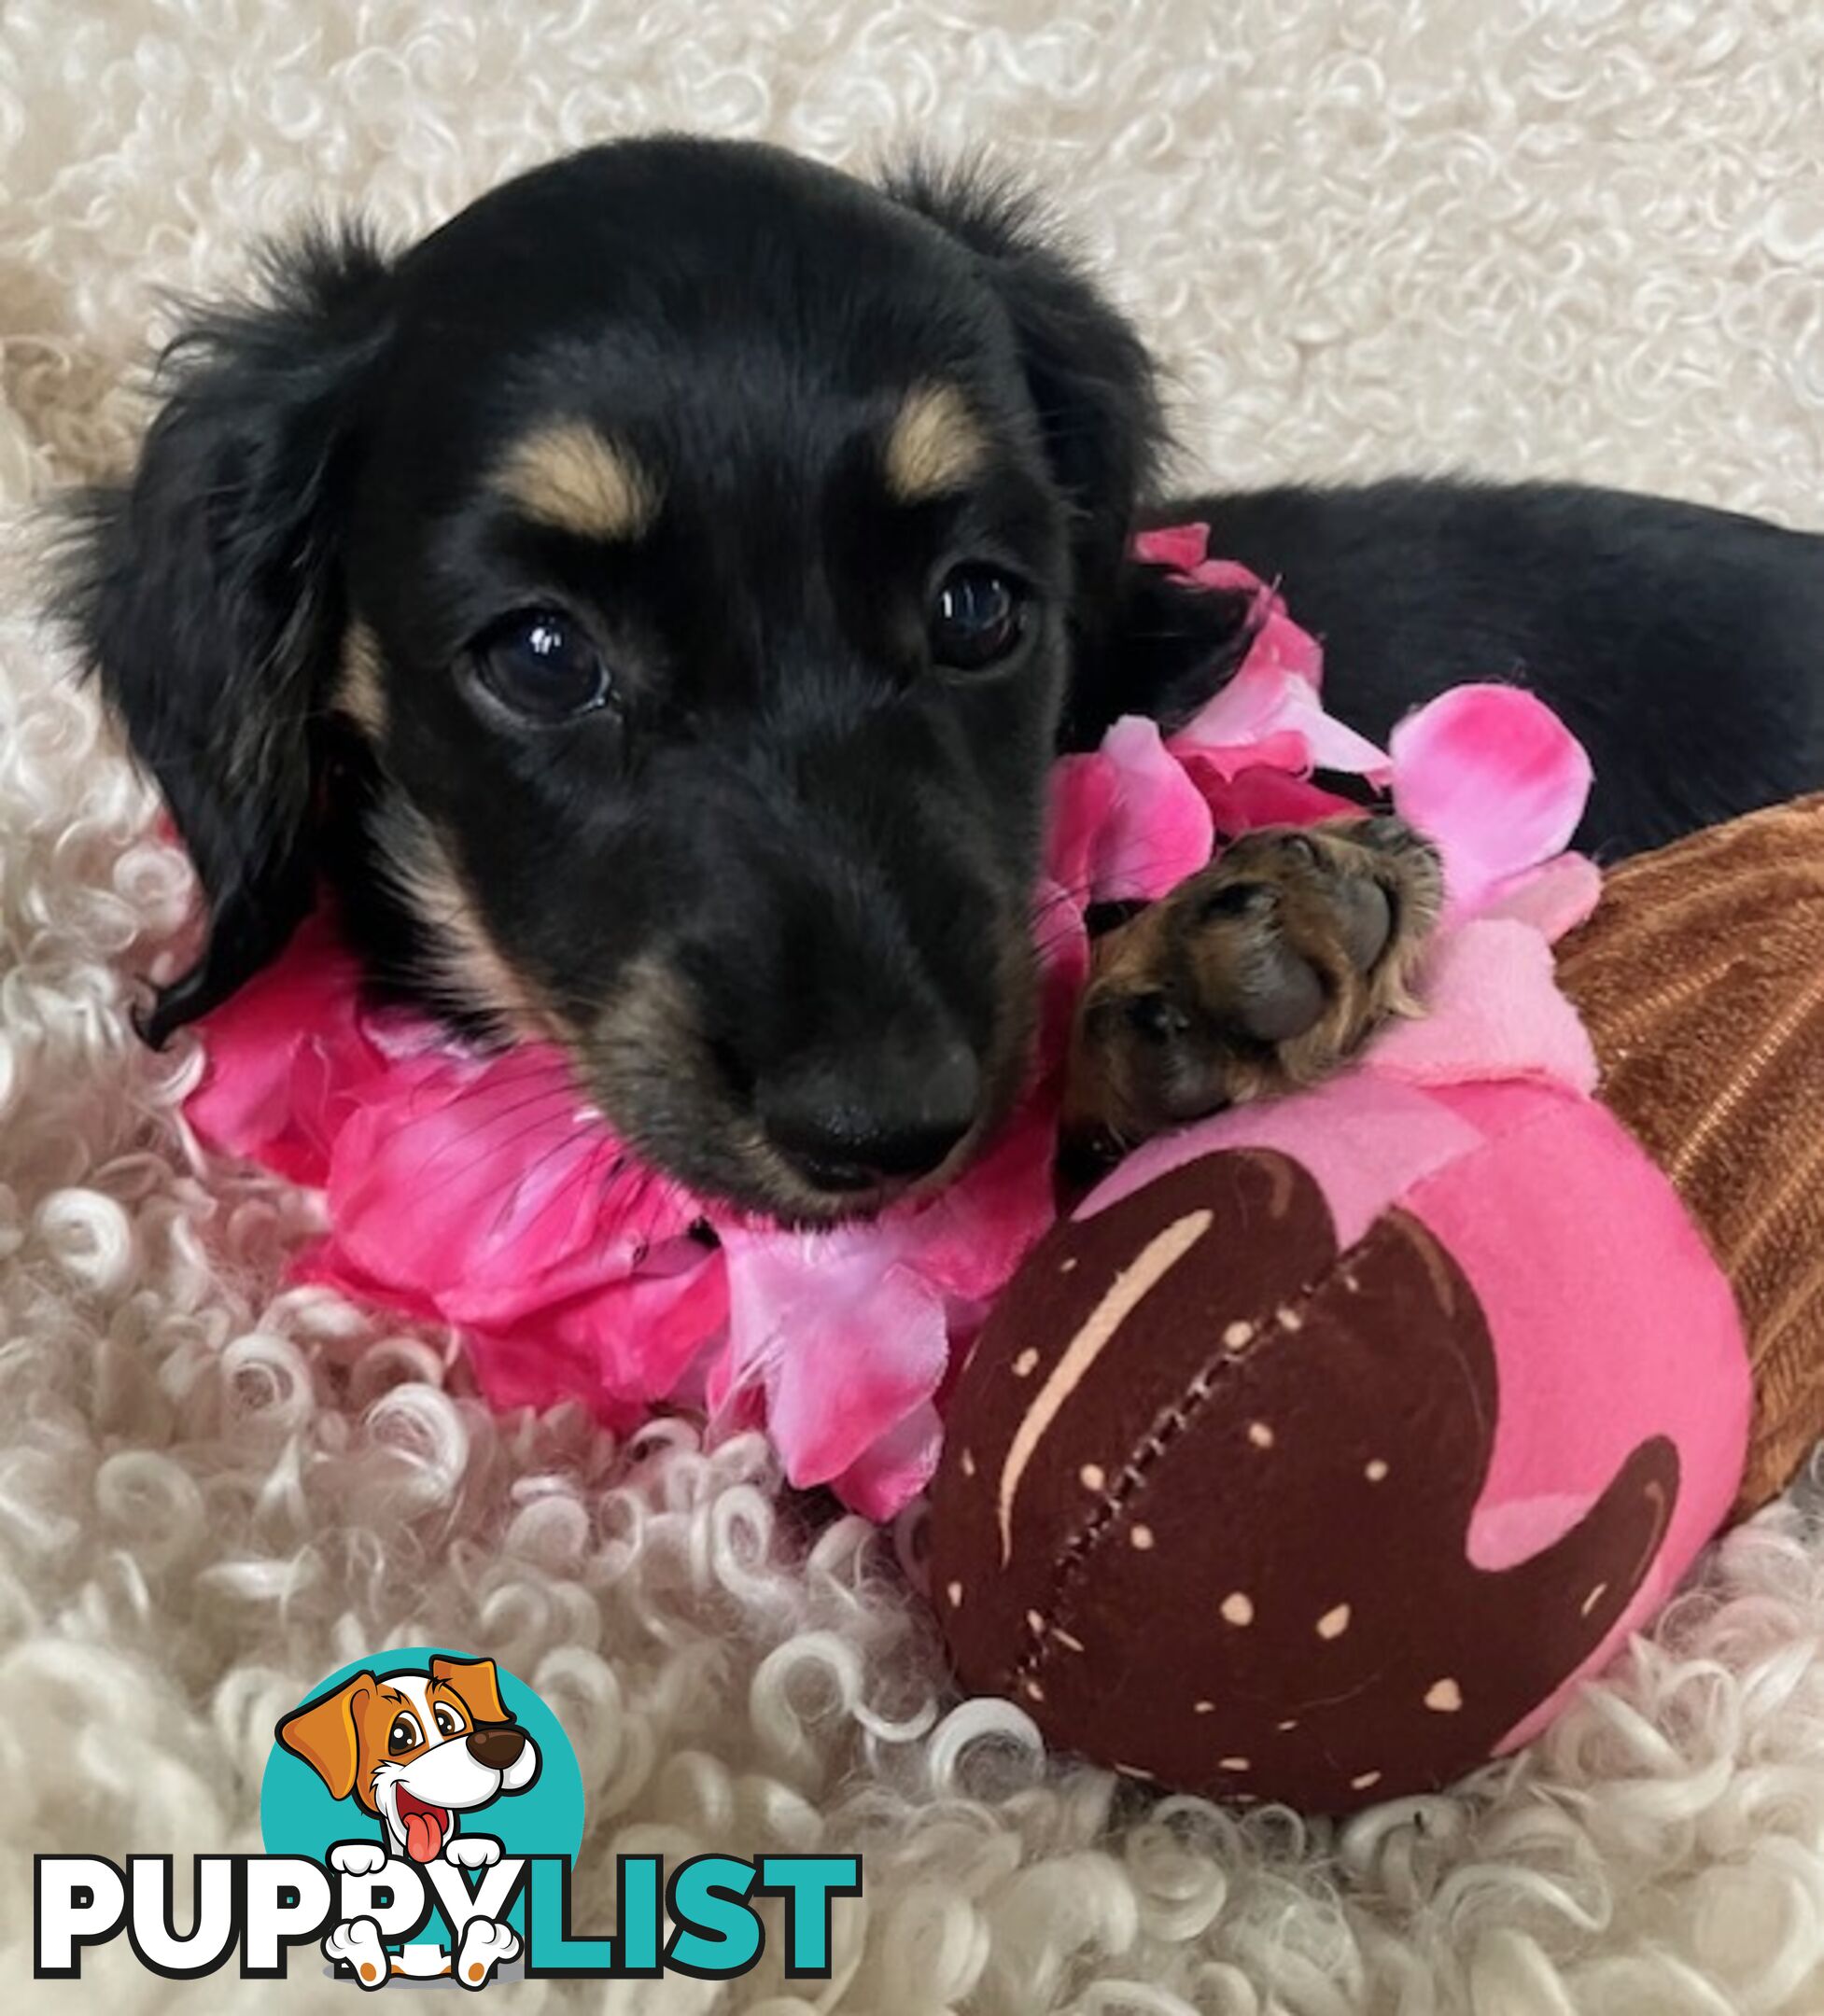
(654, 601)
(1683, 646)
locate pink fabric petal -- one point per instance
(643, 1333)
(1496, 778)
(1553, 898)
(1494, 1010)
(1261, 797)
(1081, 798)
(540, 1363)
(1280, 645)
(1285, 751)
(968, 1239)
(1276, 643)
(845, 1342)
(284, 1055)
(888, 1475)
(1182, 547)
(1158, 831)
(492, 1186)
(326, 1265)
(1229, 577)
(1264, 701)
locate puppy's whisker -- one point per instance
(533, 1086)
(488, 1139)
(576, 1181)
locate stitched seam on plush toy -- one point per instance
(1798, 1189)
(1167, 1424)
(1773, 1040)
(1649, 915)
(1643, 1010)
(1787, 1310)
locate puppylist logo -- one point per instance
(422, 1814)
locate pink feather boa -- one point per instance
(480, 1191)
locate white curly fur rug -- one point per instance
(1580, 238)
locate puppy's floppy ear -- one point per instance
(478, 1684)
(204, 588)
(322, 1732)
(1145, 642)
(1169, 644)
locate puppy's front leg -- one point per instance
(1266, 972)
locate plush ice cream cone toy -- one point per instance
(1329, 1443)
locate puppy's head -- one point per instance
(652, 601)
(416, 1749)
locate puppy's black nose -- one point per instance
(896, 1119)
(496, 1748)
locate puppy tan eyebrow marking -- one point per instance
(567, 476)
(936, 445)
(358, 691)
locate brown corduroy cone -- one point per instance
(1701, 979)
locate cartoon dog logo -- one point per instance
(417, 1751)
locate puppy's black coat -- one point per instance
(1684, 646)
(652, 601)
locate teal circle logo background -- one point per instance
(297, 1815)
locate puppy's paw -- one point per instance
(472, 1850)
(1265, 972)
(484, 1947)
(357, 1858)
(357, 1946)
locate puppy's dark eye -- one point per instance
(405, 1734)
(977, 618)
(542, 666)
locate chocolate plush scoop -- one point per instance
(1213, 1524)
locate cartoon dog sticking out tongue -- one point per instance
(416, 1750)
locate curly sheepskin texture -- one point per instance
(1533, 238)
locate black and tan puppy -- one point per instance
(652, 601)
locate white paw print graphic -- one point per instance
(357, 1857)
(357, 1946)
(484, 1946)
